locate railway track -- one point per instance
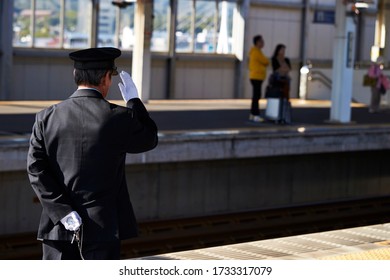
(159, 237)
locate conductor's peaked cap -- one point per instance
(96, 58)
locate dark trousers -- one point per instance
(375, 100)
(256, 95)
(64, 250)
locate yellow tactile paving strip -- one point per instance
(360, 243)
(375, 254)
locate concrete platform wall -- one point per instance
(188, 189)
(199, 174)
(209, 187)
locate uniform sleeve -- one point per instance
(54, 200)
(143, 135)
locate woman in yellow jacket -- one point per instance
(258, 63)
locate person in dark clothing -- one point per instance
(281, 68)
(76, 161)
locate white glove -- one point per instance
(127, 88)
(72, 221)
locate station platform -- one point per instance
(218, 118)
(359, 243)
(17, 117)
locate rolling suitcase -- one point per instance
(278, 110)
(272, 109)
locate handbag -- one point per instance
(273, 92)
(273, 89)
(369, 81)
(385, 82)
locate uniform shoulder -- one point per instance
(119, 108)
(48, 110)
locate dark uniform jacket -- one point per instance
(76, 161)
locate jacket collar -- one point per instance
(86, 93)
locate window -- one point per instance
(36, 23)
(46, 23)
(206, 18)
(77, 24)
(184, 28)
(68, 24)
(22, 23)
(52, 24)
(126, 28)
(108, 14)
(160, 36)
(204, 26)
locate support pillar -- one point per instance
(240, 37)
(223, 45)
(95, 23)
(171, 61)
(384, 9)
(302, 87)
(6, 13)
(343, 65)
(141, 66)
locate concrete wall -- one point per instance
(200, 174)
(210, 187)
(49, 77)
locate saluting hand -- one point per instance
(127, 87)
